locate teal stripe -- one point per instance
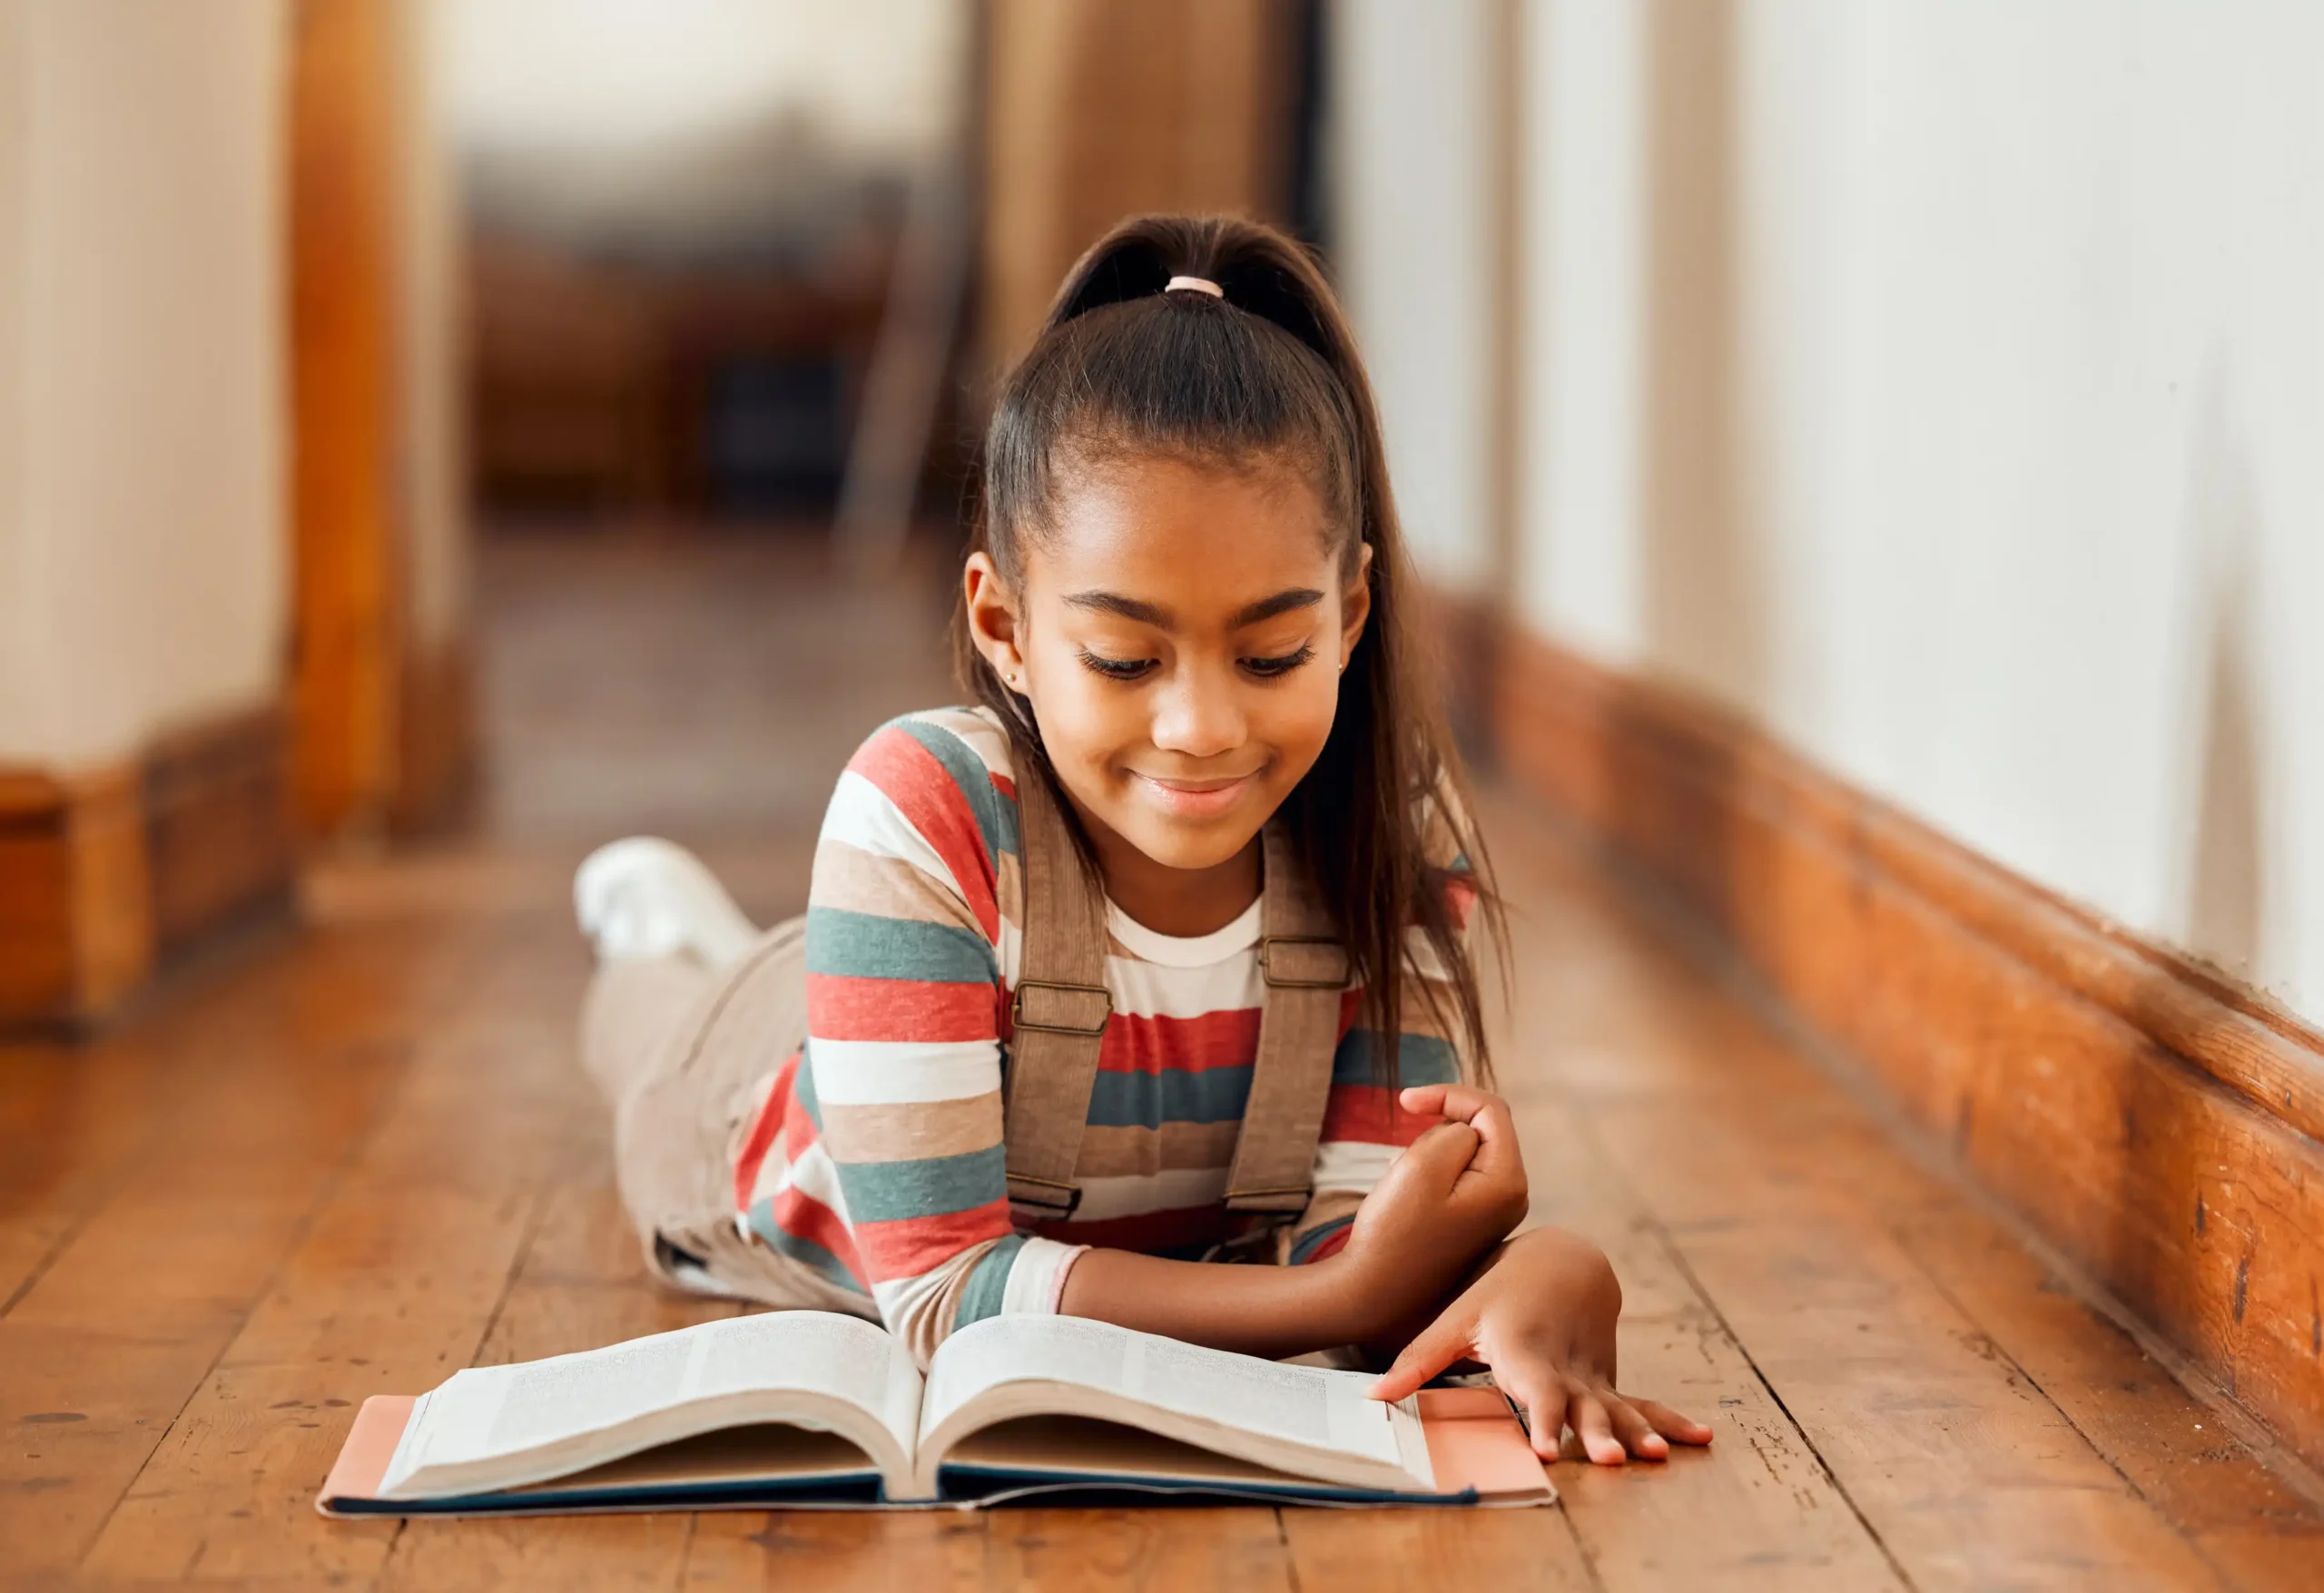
(867, 946)
(927, 1186)
(996, 816)
(987, 1283)
(1305, 1247)
(1420, 1059)
(803, 1085)
(1172, 1094)
(805, 1252)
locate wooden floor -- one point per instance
(350, 1161)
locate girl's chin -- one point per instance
(1190, 844)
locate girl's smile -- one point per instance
(1196, 799)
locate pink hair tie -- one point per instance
(1195, 285)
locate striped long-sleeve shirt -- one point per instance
(877, 1156)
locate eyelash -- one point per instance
(1120, 669)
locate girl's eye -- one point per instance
(1116, 669)
(1268, 668)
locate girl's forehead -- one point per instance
(1223, 534)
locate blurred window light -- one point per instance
(694, 121)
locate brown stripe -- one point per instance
(907, 1131)
(859, 881)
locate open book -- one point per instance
(813, 1410)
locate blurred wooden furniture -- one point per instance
(1095, 112)
(378, 705)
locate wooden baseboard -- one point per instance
(436, 761)
(106, 874)
(2151, 1118)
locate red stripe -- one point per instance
(1459, 898)
(756, 1145)
(923, 789)
(906, 1247)
(1137, 1044)
(1330, 1244)
(845, 1007)
(1368, 1114)
(805, 1217)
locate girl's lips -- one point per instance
(1196, 798)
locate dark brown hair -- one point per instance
(1267, 375)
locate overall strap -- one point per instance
(1306, 969)
(1060, 1011)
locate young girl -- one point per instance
(1091, 990)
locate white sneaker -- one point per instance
(647, 896)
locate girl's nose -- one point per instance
(1199, 716)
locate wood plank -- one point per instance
(884, 1552)
(1758, 1510)
(2243, 1517)
(390, 1289)
(1069, 1549)
(132, 1313)
(1355, 1551)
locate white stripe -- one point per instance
(908, 1306)
(862, 816)
(1149, 989)
(815, 1175)
(878, 1073)
(1133, 1195)
(1032, 1277)
(1349, 1164)
(1424, 959)
(1010, 952)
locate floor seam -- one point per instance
(1678, 1259)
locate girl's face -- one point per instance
(1180, 633)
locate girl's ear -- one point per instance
(1355, 607)
(994, 625)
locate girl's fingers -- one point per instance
(1431, 1349)
(1487, 1113)
(1440, 1155)
(1678, 1429)
(1544, 1404)
(1636, 1433)
(1592, 1424)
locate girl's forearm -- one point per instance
(1269, 1311)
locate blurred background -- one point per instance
(450, 433)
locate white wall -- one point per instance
(1942, 382)
(2033, 363)
(1407, 147)
(141, 546)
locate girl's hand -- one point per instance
(1542, 1315)
(1454, 1194)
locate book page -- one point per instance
(491, 1410)
(1307, 1405)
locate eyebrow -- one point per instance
(1151, 613)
